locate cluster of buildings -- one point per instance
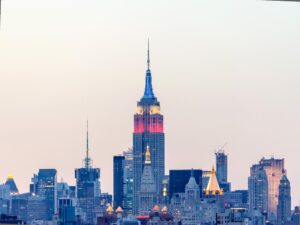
(144, 194)
(53, 202)
(193, 196)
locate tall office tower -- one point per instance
(123, 181)
(128, 181)
(274, 170)
(118, 181)
(45, 187)
(87, 178)
(284, 201)
(221, 166)
(258, 189)
(222, 170)
(148, 130)
(147, 193)
(88, 188)
(179, 178)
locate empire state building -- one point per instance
(148, 131)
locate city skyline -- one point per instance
(66, 93)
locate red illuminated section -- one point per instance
(153, 124)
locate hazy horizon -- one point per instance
(224, 72)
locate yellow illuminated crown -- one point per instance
(139, 110)
(155, 109)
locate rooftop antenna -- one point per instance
(148, 56)
(87, 160)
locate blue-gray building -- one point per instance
(88, 189)
(44, 185)
(119, 181)
(148, 131)
(179, 178)
(284, 201)
(222, 170)
(66, 212)
(123, 181)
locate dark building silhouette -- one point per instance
(148, 131)
(179, 178)
(119, 181)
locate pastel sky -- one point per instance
(224, 71)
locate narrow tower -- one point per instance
(87, 177)
(148, 131)
(284, 201)
(147, 195)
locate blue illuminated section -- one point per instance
(148, 87)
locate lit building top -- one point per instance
(213, 187)
(148, 155)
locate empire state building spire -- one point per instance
(148, 87)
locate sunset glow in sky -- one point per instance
(224, 71)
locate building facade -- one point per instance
(119, 181)
(45, 192)
(147, 193)
(88, 189)
(284, 201)
(258, 189)
(222, 170)
(148, 131)
(263, 187)
(179, 178)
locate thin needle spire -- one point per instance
(148, 58)
(87, 160)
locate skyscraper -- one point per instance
(118, 181)
(274, 170)
(258, 189)
(123, 181)
(44, 186)
(128, 181)
(264, 183)
(221, 166)
(87, 178)
(148, 131)
(284, 201)
(147, 193)
(88, 189)
(222, 170)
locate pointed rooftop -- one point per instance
(13, 189)
(148, 93)
(213, 187)
(192, 184)
(148, 181)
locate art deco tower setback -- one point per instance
(148, 131)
